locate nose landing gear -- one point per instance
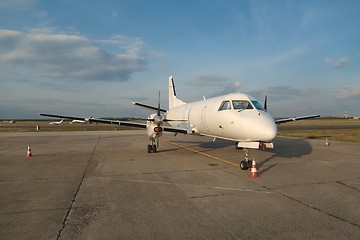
(152, 147)
(246, 163)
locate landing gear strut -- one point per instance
(246, 164)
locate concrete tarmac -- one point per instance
(104, 185)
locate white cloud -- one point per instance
(226, 88)
(337, 63)
(284, 92)
(349, 93)
(47, 54)
(221, 83)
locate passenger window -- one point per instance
(225, 105)
(241, 104)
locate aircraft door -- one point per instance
(203, 119)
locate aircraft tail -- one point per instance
(173, 101)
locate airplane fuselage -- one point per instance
(237, 117)
(223, 117)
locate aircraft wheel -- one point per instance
(154, 148)
(244, 165)
(149, 148)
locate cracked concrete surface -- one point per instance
(104, 185)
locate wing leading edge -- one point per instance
(121, 123)
(284, 120)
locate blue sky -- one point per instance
(95, 57)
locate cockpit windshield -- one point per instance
(257, 105)
(225, 105)
(241, 104)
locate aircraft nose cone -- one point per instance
(265, 128)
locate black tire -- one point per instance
(154, 148)
(244, 165)
(149, 148)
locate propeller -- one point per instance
(159, 122)
(158, 110)
(265, 103)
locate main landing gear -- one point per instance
(246, 163)
(152, 147)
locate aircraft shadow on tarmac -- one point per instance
(218, 143)
(284, 147)
(291, 148)
(288, 148)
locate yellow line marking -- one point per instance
(194, 185)
(204, 154)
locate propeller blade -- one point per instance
(265, 103)
(158, 110)
(164, 120)
(174, 120)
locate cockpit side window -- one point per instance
(225, 105)
(241, 104)
(257, 105)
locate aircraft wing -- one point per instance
(284, 120)
(97, 120)
(176, 130)
(121, 123)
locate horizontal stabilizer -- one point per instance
(149, 107)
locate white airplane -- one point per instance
(77, 121)
(237, 117)
(56, 123)
(80, 121)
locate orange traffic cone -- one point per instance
(327, 143)
(28, 151)
(253, 171)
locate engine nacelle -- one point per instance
(158, 129)
(153, 130)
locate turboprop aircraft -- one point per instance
(237, 117)
(79, 121)
(56, 123)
